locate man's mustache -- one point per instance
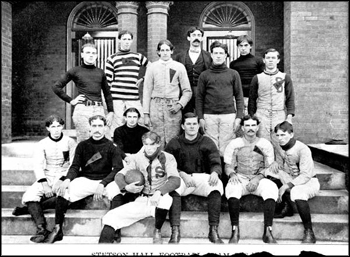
(196, 40)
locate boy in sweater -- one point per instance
(199, 167)
(89, 81)
(92, 172)
(247, 65)
(165, 81)
(218, 89)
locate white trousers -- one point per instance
(132, 212)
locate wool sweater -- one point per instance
(129, 139)
(217, 88)
(122, 72)
(168, 80)
(197, 156)
(247, 66)
(96, 160)
(89, 80)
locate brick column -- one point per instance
(157, 26)
(6, 72)
(127, 19)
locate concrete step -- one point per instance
(193, 225)
(19, 171)
(327, 202)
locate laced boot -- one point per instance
(41, 234)
(268, 237)
(175, 235)
(117, 236)
(55, 235)
(287, 210)
(309, 237)
(17, 211)
(214, 235)
(157, 236)
(235, 235)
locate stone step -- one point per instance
(327, 202)
(193, 225)
(19, 171)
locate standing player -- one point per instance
(162, 177)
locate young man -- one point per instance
(196, 60)
(297, 177)
(165, 81)
(247, 65)
(271, 92)
(246, 160)
(162, 177)
(199, 167)
(123, 72)
(218, 89)
(128, 136)
(95, 164)
(89, 81)
(52, 158)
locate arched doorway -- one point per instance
(99, 20)
(225, 22)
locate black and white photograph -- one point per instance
(175, 128)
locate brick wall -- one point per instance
(6, 71)
(316, 43)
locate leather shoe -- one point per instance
(287, 211)
(214, 235)
(55, 235)
(17, 211)
(268, 237)
(235, 235)
(309, 237)
(41, 234)
(157, 236)
(175, 235)
(117, 236)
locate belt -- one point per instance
(89, 102)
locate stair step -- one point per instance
(193, 225)
(327, 202)
(19, 171)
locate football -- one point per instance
(133, 176)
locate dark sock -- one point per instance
(175, 210)
(269, 211)
(61, 209)
(35, 210)
(160, 217)
(107, 235)
(117, 201)
(233, 208)
(214, 207)
(304, 212)
(48, 203)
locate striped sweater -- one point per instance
(122, 72)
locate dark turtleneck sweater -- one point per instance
(89, 80)
(247, 66)
(96, 160)
(217, 88)
(197, 156)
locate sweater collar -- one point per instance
(88, 66)
(165, 62)
(218, 68)
(190, 142)
(102, 140)
(271, 73)
(56, 140)
(289, 145)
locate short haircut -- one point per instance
(218, 44)
(98, 117)
(125, 32)
(242, 38)
(188, 115)
(193, 29)
(165, 42)
(131, 109)
(88, 45)
(151, 135)
(272, 50)
(54, 117)
(284, 126)
(248, 117)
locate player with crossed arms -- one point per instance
(160, 171)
